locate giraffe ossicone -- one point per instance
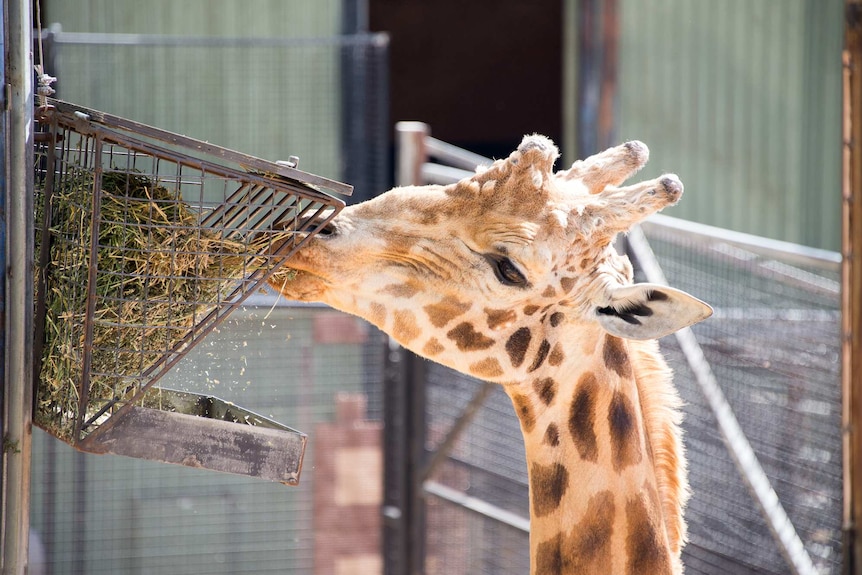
(510, 275)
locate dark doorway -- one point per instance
(482, 73)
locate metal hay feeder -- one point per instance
(148, 241)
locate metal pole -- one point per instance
(606, 129)
(410, 140)
(571, 58)
(17, 379)
(851, 312)
(404, 413)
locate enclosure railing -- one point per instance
(798, 265)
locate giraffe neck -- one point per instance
(594, 500)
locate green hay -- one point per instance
(158, 274)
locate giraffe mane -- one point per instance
(660, 404)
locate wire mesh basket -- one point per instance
(148, 241)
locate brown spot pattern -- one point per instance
(557, 356)
(377, 314)
(404, 327)
(429, 217)
(517, 345)
(625, 439)
(548, 485)
(541, 355)
(524, 410)
(546, 389)
(567, 284)
(557, 318)
(550, 291)
(582, 417)
(402, 290)
(467, 338)
(488, 367)
(530, 309)
(646, 550)
(445, 310)
(432, 347)
(616, 358)
(586, 550)
(498, 318)
(552, 435)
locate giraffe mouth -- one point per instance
(312, 223)
(323, 222)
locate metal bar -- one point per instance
(410, 140)
(765, 247)
(738, 446)
(589, 88)
(477, 506)
(606, 116)
(851, 275)
(416, 379)
(44, 247)
(17, 237)
(570, 81)
(110, 39)
(84, 391)
(453, 155)
(216, 215)
(457, 429)
(107, 121)
(396, 503)
(440, 174)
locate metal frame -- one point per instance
(259, 198)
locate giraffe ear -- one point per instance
(650, 311)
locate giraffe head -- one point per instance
(453, 272)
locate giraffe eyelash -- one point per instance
(507, 272)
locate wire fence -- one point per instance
(774, 348)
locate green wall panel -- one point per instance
(742, 98)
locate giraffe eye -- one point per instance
(506, 271)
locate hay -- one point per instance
(159, 273)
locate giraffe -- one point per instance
(510, 275)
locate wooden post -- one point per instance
(852, 287)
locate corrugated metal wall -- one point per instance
(257, 18)
(742, 98)
(270, 101)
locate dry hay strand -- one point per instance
(158, 274)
